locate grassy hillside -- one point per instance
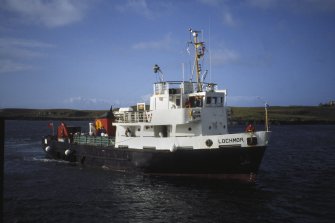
(40, 114)
(285, 115)
(277, 115)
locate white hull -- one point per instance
(193, 142)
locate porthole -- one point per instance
(189, 129)
(209, 142)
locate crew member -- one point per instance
(250, 128)
(187, 103)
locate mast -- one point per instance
(199, 48)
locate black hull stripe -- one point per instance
(233, 163)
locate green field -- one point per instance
(277, 115)
(285, 115)
(47, 114)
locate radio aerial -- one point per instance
(157, 70)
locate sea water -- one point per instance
(296, 183)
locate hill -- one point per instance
(285, 115)
(48, 114)
(277, 115)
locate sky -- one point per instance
(91, 54)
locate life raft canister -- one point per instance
(98, 124)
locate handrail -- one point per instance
(132, 117)
(93, 140)
(163, 86)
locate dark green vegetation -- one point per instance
(285, 115)
(48, 114)
(277, 115)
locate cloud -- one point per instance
(139, 7)
(149, 9)
(228, 19)
(311, 6)
(23, 43)
(8, 66)
(245, 101)
(79, 102)
(87, 103)
(210, 2)
(51, 13)
(163, 44)
(83, 100)
(22, 48)
(146, 98)
(224, 56)
(263, 4)
(226, 14)
(16, 54)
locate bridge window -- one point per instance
(194, 102)
(174, 91)
(178, 102)
(214, 100)
(208, 100)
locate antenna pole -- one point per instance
(266, 117)
(183, 70)
(199, 52)
(210, 51)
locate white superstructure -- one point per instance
(180, 118)
(182, 115)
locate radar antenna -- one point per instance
(157, 70)
(199, 48)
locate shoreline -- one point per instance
(278, 115)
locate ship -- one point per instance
(183, 132)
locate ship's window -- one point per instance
(214, 101)
(178, 101)
(189, 129)
(174, 91)
(208, 100)
(221, 100)
(191, 101)
(198, 102)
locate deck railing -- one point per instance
(132, 117)
(93, 140)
